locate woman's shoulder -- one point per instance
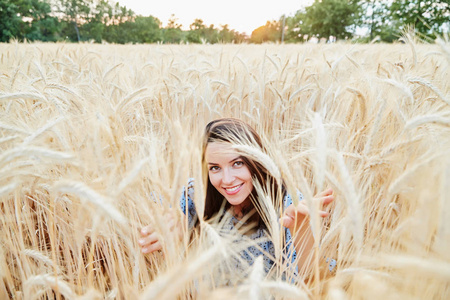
(186, 200)
(188, 190)
(190, 184)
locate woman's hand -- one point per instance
(151, 240)
(295, 216)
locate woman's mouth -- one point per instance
(233, 190)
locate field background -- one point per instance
(98, 140)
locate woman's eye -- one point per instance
(238, 163)
(214, 168)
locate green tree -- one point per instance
(42, 26)
(10, 20)
(200, 33)
(146, 30)
(93, 30)
(271, 32)
(173, 33)
(99, 17)
(226, 35)
(427, 16)
(210, 34)
(115, 24)
(118, 21)
(28, 19)
(292, 33)
(325, 18)
(378, 21)
(75, 12)
(196, 32)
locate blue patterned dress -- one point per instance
(260, 235)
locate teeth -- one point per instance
(234, 188)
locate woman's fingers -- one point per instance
(152, 248)
(170, 221)
(323, 213)
(146, 230)
(287, 221)
(148, 240)
(294, 214)
(327, 199)
(327, 192)
(151, 241)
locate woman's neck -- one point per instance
(239, 211)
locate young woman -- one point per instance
(233, 156)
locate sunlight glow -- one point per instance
(240, 15)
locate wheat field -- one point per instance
(97, 141)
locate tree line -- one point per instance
(106, 21)
(361, 20)
(98, 21)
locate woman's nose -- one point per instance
(228, 176)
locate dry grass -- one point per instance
(97, 140)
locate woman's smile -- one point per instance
(233, 190)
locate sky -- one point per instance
(240, 15)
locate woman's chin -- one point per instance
(235, 202)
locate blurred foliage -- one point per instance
(330, 18)
(378, 22)
(270, 32)
(99, 21)
(383, 20)
(107, 21)
(29, 19)
(427, 17)
(325, 18)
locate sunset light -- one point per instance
(242, 16)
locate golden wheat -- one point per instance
(98, 140)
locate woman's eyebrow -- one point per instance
(234, 159)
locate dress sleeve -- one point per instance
(288, 199)
(187, 204)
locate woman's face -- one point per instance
(228, 173)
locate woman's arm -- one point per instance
(150, 240)
(296, 219)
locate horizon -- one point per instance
(240, 20)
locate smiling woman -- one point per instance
(220, 138)
(236, 183)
